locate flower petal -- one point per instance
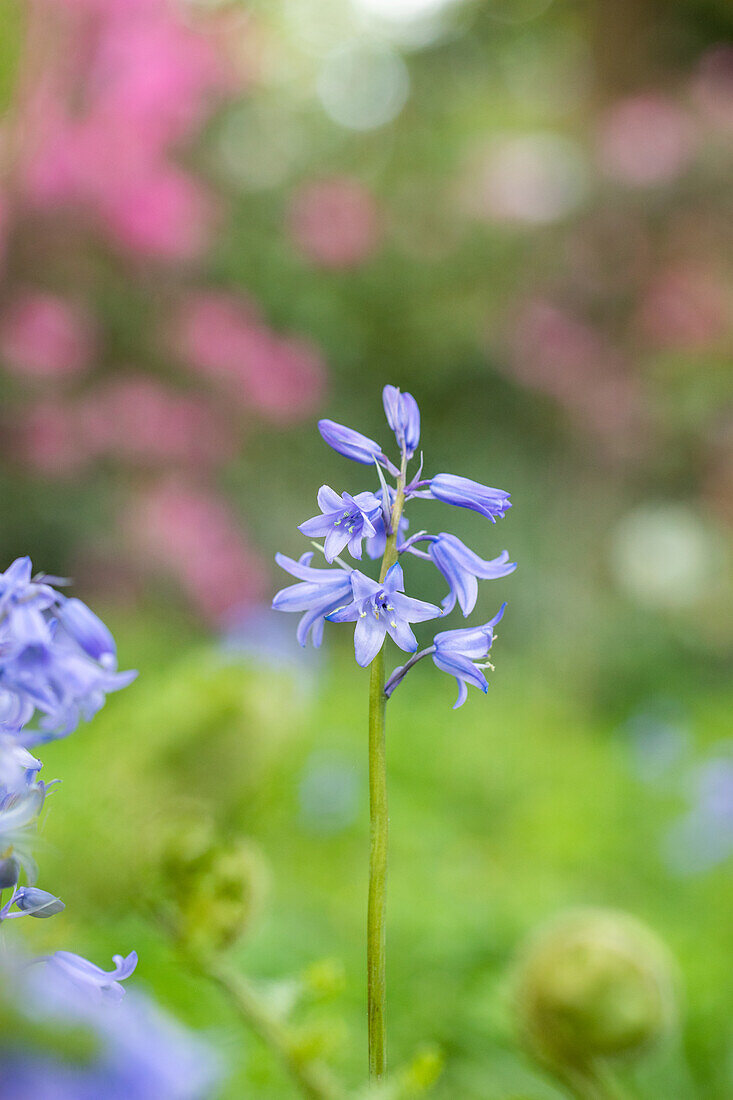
(368, 638)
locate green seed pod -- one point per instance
(593, 984)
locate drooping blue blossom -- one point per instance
(56, 658)
(86, 628)
(381, 609)
(403, 417)
(346, 520)
(463, 653)
(320, 592)
(461, 566)
(465, 493)
(349, 443)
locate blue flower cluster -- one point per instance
(57, 663)
(369, 519)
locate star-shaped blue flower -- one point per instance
(381, 609)
(346, 520)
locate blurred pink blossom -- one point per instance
(48, 440)
(686, 307)
(223, 337)
(135, 81)
(138, 419)
(334, 222)
(556, 353)
(191, 534)
(43, 336)
(712, 85)
(166, 216)
(646, 140)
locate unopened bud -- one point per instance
(593, 984)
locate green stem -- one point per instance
(379, 830)
(312, 1077)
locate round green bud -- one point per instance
(225, 891)
(593, 984)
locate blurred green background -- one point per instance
(520, 211)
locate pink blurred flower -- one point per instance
(139, 420)
(191, 534)
(43, 336)
(156, 73)
(223, 336)
(686, 307)
(334, 222)
(646, 140)
(48, 440)
(560, 355)
(712, 85)
(167, 216)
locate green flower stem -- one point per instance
(379, 829)
(312, 1078)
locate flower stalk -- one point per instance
(311, 1077)
(379, 828)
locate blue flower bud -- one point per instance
(87, 629)
(403, 417)
(38, 903)
(349, 443)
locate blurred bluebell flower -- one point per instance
(403, 417)
(21, 801)
(87, 629)
(91, 979)
(463, 653)
(320, 591)
(465, 493)
(461, 566)
(381, 609)
(137, 1052)
(349, 443)
(346, 520)
(56, 657)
